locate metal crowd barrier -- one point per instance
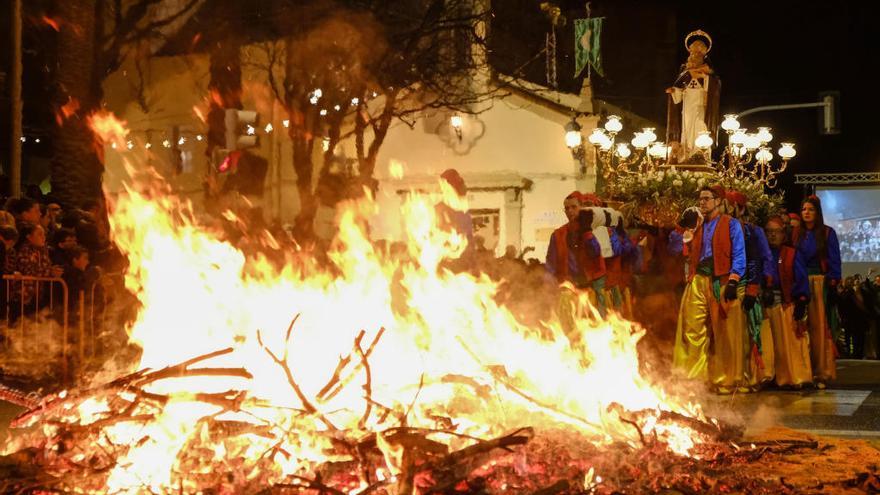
(30, 303)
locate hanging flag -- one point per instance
(587, 48)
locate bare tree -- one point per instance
(95, 37)
(360, 66)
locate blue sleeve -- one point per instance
(801, 286)
(592, 245)
(767, 256)
(616, 243)
(833, 247)
(550, 263)
(737, 249)
(675, 246)
(630, 249)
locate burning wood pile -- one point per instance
(93, 440)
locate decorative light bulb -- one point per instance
(573, 139)
(764, 135)
(623, 151)
(704, 140)
(613, 125)
(285, 123)
(269, 128)
(752, 142)
(657, 150)
(738, 137)
(650, 135)
(456, 121)
(764, 155)
(787, 151)
(640, 141)
(597, 136)
(199, 137)
(730, 123)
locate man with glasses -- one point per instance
(710, 342)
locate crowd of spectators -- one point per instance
(41, 239)
(858, 305)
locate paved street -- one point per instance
(850, 407)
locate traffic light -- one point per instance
(829, 113)
(241, 129)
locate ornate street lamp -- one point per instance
(574, 141)
(642, 154)
(748, 155)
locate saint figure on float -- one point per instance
(693, 100)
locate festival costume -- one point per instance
(574, 258)
(758, 262)
(824, 273)
(791, 341)
(614, 281)
(710, 341)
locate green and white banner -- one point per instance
(587, 47)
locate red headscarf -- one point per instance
(454, 179)
(737, 198)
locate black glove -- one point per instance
(768, 298)
(800, 310)
(689, 219)
(749, 302)
(730, 290)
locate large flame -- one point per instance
(353, 347)
(108, 129)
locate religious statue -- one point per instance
(692, 104)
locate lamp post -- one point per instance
(456, 122)
(574, 141)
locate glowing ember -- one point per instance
(52, 22)
(67, 110)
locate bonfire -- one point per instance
(375, 374)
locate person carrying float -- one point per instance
(574, 259)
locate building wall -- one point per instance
(517, 138)
(175, 93)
